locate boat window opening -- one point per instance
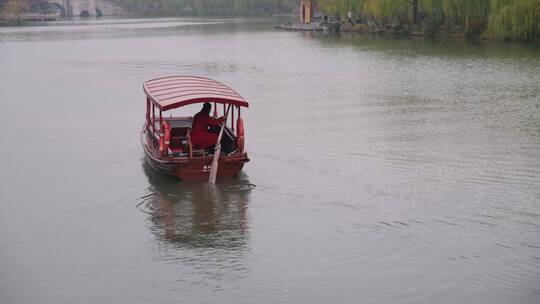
(185, 111)
(180, 145)
(192, 109)
(180, 121)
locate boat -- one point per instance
(166, 135)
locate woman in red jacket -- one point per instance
(201, 135)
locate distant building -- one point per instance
(309, 11)
(306, 10)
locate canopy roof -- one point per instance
(177, 91)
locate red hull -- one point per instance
(195, 168)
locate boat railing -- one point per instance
(180, 144)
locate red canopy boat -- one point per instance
(166, 139)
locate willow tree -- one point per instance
(333, 7)
(455, 12)
(514, 19)
(14, 8)
(386, 10)
(340, 7)
(241, 7)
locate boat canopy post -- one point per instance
(153, 118)
(232, 119)
(160, 118)
(239, 118)
(147, 111)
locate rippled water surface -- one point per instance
(383, 170)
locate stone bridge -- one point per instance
(86, 8)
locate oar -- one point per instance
(217, 151)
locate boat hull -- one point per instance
(195, 168)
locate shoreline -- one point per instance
(413, 31)
(396, 30)
(409, 31)
(22, 19)
(388, 30)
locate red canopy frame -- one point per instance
(172, 92)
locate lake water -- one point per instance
(383, 170)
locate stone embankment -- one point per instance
(310, 27)
(373, 29)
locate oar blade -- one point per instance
(217, 152)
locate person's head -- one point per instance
(206, 108)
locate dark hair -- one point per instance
(206, 108)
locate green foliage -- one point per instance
(14, 8)
(514, 19)
(457, 11)
(241, 7)
(340, 7)
(506, 19)
(208, 7)
(385, 10)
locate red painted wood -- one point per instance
(171, 92)
(186, 168)
(176, 91)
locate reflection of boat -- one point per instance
(197, 215)
(166, 140)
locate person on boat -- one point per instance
(203, 133)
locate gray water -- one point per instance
(383, 170)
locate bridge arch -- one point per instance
(73, 8)
(58, 8)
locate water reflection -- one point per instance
(427, 46)
(109, 28)
(195, 215)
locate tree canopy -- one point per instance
(208, 7)
(504, 19)
(501, 19)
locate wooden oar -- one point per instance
(217, 151)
